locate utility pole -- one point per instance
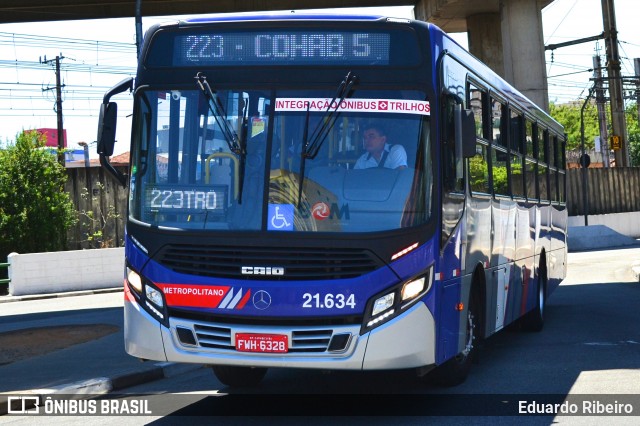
(618, 124)
(602, 112)
(138, 28)
(58, 106)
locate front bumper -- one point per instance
(407, 341)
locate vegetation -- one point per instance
(569, 116)
(633, 130)
(35, 211)
(95, 223)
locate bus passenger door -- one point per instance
(453, 196)
(503, 251)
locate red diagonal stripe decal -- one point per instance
(244, 300)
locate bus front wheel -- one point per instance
(239, 377)
(455, 371)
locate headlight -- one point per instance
(134, 280)
(155, 303)
(392, 303)
(148, 296)
(412, 289)
(382, 304)
(154, 296)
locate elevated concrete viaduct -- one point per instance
(505, 34)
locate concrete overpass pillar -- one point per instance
(504, 34)
(523, 49)
(485, 39)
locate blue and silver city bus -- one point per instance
(266, 229)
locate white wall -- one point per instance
(54, 272)
(625, 223)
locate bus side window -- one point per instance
(544, 173)
(479, 164)
(452, 173)
(550, 141)
(518, 134)
(499, 151)
(561, 158)
(452, 170)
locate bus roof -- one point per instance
(278, 16)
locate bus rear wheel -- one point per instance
(534, 320)
(239, 377)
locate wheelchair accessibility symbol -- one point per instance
(280, 217)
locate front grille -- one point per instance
(302, 341)
(299, 263)
(213, 336)
(310, 340)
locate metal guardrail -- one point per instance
(4, 280)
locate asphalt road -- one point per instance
(95, 358)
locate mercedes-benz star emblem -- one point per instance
(261, 300)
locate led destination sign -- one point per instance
(186, 199)
(283, 47)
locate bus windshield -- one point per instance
(234, 160)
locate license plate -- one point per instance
(267, 343)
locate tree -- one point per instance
(633, 131)
(95, 221)
(569, 116)
(35, 211)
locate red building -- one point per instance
(52, 136)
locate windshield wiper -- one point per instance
(237, 145)
(311, 145)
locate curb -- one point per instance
(27, 297)
(94, 387)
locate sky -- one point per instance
(99, 53)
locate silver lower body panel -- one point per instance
(407, 341)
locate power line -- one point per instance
(563, 18)
(71, 67)
(22, 100)
(27, 40)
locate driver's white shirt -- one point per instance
(396, 157)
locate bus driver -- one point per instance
(379, 152)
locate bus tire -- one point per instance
(239, 377)
(455, 371)
(533, 321)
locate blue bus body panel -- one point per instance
(449, 295)
(297, 299)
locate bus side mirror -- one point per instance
(107, 128)
(468, 134)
